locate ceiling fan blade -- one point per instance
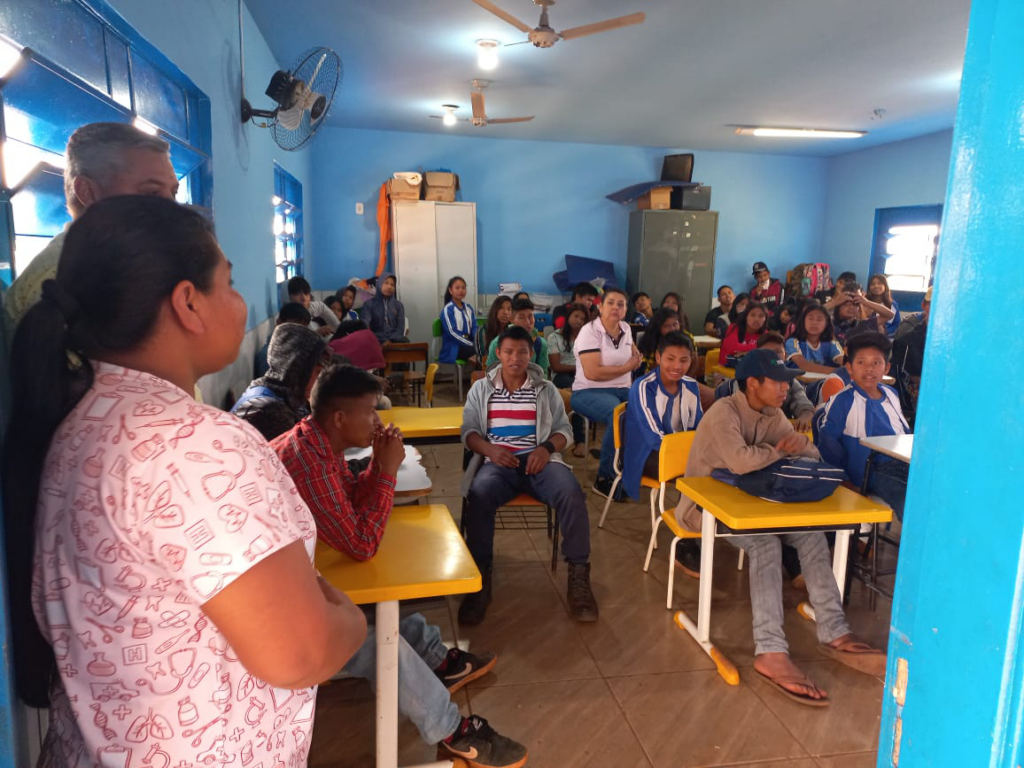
(498, 120)
(489, 6)
(478, 105)
(602, 26)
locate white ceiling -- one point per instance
(680, 79)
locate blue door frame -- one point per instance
(956, 667)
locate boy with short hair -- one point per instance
(664, 401)
(582, 293)
(865, 408)
(351, 514)
(797, 405)
(745, 432)
(515, 424)
(644, 310)
(522, 315)
(300, 292)
(725, 300)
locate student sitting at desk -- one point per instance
(515, 423)
(865, 408)
(812, 347)
(743, 335)
(351, 514)
(725, 299)
(582, 293)
(742, 433)
(522, 315)
(300, 292)
(347, 295)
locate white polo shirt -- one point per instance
(594, 338)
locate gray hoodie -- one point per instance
(551, 416)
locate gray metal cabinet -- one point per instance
(674, 251)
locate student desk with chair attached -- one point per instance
(707, 342)
(728, 511)
(426, 426)
(421, 555)
(412, 480)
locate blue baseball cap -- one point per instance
(764, 363)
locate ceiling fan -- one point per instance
(480, 117)
(543, 36)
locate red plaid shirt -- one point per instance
(350, 512)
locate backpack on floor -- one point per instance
(791, 479)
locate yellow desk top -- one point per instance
(729, 373)
(741, 511)
(425, 422)
(421, 555)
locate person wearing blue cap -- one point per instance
(745, 432)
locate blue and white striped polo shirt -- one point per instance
(512, 418)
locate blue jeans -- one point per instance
(564, 381)
(422, 697)
(888, 481)
(599, 405)
(555, 485)
(765, 553)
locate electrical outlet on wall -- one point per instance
(359, 209)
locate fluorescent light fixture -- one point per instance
(798, 133)
(144, 126)
(487, 56)
(10, 54)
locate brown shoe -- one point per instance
(582, 605)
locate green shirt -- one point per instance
(540, 353)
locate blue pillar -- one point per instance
(956, 623)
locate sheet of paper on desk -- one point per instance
(412, 475)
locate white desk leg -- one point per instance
(701, 631)
(387, 684)
(707, 563)
(840, 558)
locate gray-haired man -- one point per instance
(102, 160)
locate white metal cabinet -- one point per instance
(432, 242)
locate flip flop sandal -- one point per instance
(858, 655)
(777, 683)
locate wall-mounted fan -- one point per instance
(543, 36)
(303, 94)
(480, 117)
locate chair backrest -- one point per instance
(674, 453)
(619, 423)
(711, 359)
(437, 328)
(428, 383)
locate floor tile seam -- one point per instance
(629, 725)
(782, 722)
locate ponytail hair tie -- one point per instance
(65, 303)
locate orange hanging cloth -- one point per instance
(384, 223)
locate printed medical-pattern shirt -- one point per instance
(150, 504)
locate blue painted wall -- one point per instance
(911, 172)
(201, 38)
(537, 201)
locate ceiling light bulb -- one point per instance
(449, 118)
(144, 126)
(488, 53)
(10, 55)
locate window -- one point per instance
(287, 224)
(905, 245)
(98, 69)
(911, 256)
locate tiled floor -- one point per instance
(631, 689)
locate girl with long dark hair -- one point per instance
(743, 335)
(458, 325)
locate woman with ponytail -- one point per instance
(159, 548)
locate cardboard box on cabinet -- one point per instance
(658, 199)
(440, 187)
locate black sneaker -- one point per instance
(474, 605)
(688, 557)
(582, 605)
(480, 746)
(460, 667)
(603, 487)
